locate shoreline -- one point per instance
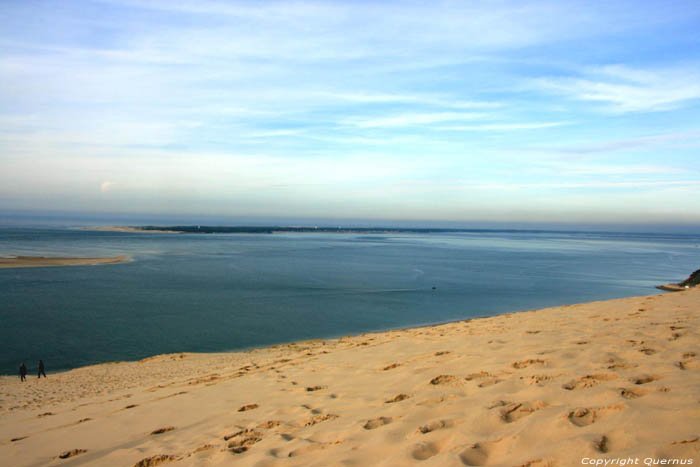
(337, 338)
(44, 261)
(603, 379)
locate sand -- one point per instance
(605, 380)
(42, 261)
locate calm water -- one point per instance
(201, 293)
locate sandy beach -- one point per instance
(42, 261)
(555, 387)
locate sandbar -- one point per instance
(43, 261)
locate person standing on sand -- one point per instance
(22, 372)
(41, 369)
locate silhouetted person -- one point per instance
(22, 372)
(41, 369)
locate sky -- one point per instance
(443, 111)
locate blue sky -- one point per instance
(449, 111)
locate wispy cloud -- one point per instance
(622, 89)
(609, 170)
(466, 185)
(412, 119)
(374, 98)
(668, 140)
(504, 126)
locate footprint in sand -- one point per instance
(130, 406)
(689, 364)
(377, 422)
(602, 444)
(318, 419)
(165, 429)
(71, 453)
(517, 410)
(620, 365)
(647, 351)
(239, 433)
(445, 379)
(537, 463)
(588, 381)
(247, 407)
(538, 380)
(269, 424)
(489, 382)
(243, 443)
(478, 453)
(436, 425)
(631, 393)
(204, 447)
(155, 460)
(397, 398)
(19, 438)
(644, 379)
(588, 416)
(391, 367)
(479, 375)
(425, 450)
(315, 388)
(527, 363)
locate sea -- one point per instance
(221, 292)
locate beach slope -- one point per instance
(553, 387)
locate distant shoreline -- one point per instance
(123, 228)
(206, 229)
(42, 261)
(270, 229)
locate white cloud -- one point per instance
(624, 89)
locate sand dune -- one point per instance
(603, 380)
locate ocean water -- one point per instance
(205, 293)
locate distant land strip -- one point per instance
(42, 261)
(208, 229)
